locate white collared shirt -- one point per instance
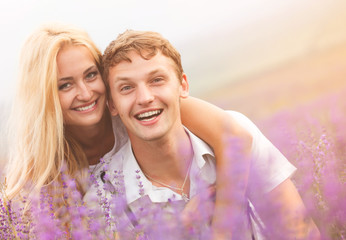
(268, 168)
(203, 167)
(202, 170)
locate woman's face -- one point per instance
(82, 92)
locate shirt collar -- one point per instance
(200, 148)
(133, 175)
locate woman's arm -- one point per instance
(211, 123)
(231, 144)
(284, 214)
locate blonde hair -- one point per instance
(40, 145)
(145, 43)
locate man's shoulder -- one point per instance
(199, 146)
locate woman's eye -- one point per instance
(91, 75)
(64, 86)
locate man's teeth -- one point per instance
(86, 107)
(147, 116)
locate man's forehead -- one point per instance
(138, 64)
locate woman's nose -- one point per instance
(84, 92)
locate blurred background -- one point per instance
(256, 57)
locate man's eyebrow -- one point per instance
(149, 74)
(71, 78)
(154, 72)
(121, 78)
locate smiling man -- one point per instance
(164, 162)
(146, 88)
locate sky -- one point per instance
(220, 40)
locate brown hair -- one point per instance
(145, 43)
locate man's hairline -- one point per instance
(175, 66)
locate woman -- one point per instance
(44, 137)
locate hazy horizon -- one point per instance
(220, 41)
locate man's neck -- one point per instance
(166, 159)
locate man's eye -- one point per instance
(156, 80)
(64, 86)
(125, 88)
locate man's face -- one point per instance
(146, 95)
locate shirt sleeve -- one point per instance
(269, 167)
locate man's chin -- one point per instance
(148, 136)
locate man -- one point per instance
(146, 82)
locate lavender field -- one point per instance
(313, 138)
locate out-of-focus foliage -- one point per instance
(313, 138)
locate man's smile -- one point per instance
(149, 115)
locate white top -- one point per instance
(268, 168)
(202, 168)
(203, 165)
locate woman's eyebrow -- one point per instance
(89, 68)
(65, 79)
(71, 78)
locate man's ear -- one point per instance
(184, 92)
(112, 108)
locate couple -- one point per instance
(61, 117)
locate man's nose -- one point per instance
(144, 95)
